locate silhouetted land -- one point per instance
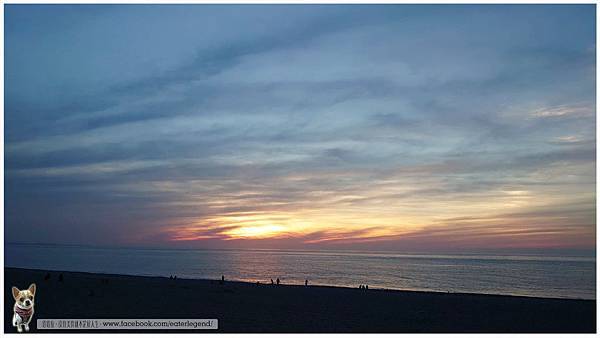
(248, 307)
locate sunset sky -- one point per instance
(357, 127)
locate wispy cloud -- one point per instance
(361, 126)
(565, 111)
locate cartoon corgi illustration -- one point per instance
(23, 309)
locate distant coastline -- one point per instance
(553, 252)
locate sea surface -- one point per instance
(526, 275)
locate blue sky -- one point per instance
(377, 127)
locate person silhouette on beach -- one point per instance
(306, 282)
(277, 281)
(367, 286)
(272, 281)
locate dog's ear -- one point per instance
(32, 288)
(15, 292)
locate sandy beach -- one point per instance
(248, 307)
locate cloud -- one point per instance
(564, 111)
(308, 125)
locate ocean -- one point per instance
(524, 275)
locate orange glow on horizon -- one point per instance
(259, 231)
(392, 209)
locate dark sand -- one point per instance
(247, 307)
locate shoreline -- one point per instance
(297, 285)
(249, 307)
